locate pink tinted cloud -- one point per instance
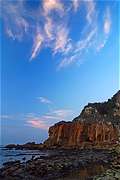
(37, 124)
(46, 120)
(49, 5)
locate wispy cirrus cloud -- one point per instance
(45, 121)
(91, 12)
(59, 114)
(76, 4)
(5, 116)
(61, 39)
(16, 25)
(76, 50)
(37, 45)
(106, 29)
(49, 27)
(44, 100)
(49, 5)
(41, 121)
(37, 124)
(107, 21)
(12, 117)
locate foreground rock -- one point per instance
(59, 164)
(97, 125)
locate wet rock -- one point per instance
(59, 165)
(10, 163)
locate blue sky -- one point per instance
(56, 57)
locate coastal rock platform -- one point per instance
(60, 164)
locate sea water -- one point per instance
(22, 155)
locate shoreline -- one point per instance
(60, 163)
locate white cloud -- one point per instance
(60, 114)
(107, 22)
(5, 116)
(90, 5)
(66, 62)
(83, 44)
(16, 25)
(101, 45)
(48, 119)
(37, 45)
(10, 34)
(50, 5)
(44, 100)
(61, 39)
(80, 47)
(49, 28)
(76, 4)
(106, 30)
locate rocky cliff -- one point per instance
(98, 123)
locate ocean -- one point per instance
(22, 155)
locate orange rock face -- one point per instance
(98, 123)
(75, 133)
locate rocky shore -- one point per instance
(59, 164)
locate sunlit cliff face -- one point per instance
(97, 124)
(76, 133)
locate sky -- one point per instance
(56, 57)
